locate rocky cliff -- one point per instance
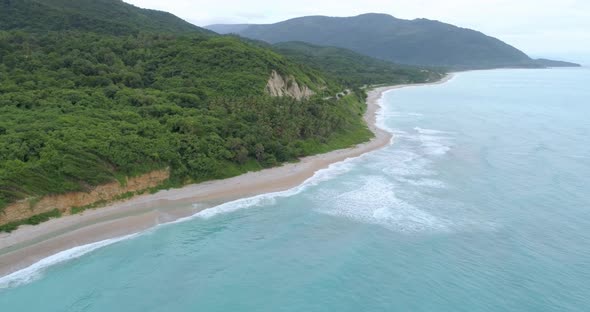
(287, 86)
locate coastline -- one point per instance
(30, 244)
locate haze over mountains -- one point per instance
(413, 42)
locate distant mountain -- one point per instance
(413, 42)
(354, 69)
(102, 16)
(552, 63)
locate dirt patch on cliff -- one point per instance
(64, 202)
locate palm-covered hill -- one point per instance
(415, 42)
(92, 99)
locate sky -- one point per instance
(541, 28)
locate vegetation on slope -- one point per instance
(79, 109)
(33, 220)
(353, 69)
(101, 16)
(414, 42)
(93, 91)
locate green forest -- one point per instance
(353, 69)
(113, 17)
(95, 91)
(80, 109)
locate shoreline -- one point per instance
(30, 244)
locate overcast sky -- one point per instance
(552, 28)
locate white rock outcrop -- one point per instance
(287, 86)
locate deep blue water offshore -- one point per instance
(482, 203)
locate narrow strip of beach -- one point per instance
(30, 244)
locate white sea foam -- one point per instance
(382, 116)
(404, 163)
(399, 133)
(432, 142)
(435, 148)
(267, 199)
(431, 131)
(431, 183)
(404, 114)
(375, 202)
(329, 173)
(390, 216)
(256, 201)
(35, 271)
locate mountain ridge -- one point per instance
(354, 69)
(556, 63)
(420, 42)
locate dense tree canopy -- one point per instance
(99, 16)
(353, 69)
(79, 109)
(96, 90)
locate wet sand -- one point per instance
(30, 244)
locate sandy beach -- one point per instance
(30, 244)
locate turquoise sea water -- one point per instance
(481, 204)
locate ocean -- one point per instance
(481, 203)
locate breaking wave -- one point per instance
(35, 271)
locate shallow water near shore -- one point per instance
(481, 204)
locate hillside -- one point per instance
(552, 63)
(354, 69)
(81, 106)
(85, 109)
(103, 16)
(413, 42)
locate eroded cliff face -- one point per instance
(64, 202)
(287, 86)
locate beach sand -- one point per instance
(30, 244)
